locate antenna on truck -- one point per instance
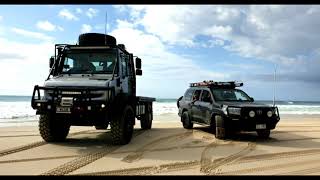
(105, 28)
(274, 86)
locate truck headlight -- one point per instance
(252, 113)
(269, 113)
(234, 111)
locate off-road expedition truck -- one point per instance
(225, 109)
(92, 83)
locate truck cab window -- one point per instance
(124, 65)
(93, 63)
(68, 64)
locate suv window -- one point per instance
(206, 96)
(196, 95)
(188, 95)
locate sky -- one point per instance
(178, 44)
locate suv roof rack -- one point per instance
(211, 83)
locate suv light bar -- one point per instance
(212, 83)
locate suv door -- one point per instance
(205, 106)
(195, 104)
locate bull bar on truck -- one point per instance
(81, 98)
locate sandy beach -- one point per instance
(166, 149)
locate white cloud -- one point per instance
(23, 69)
(92, 12)
(46, 25)
(79, 10)
(270, 32)
(85, 28)
(31, 34)
(160, 65)
(66, 14)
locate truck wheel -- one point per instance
(53, 130)
(187, 124)
(265, 134)
(122, 126)
(220, 128)
(101, 127)
(146, 121)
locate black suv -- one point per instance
(225, 109)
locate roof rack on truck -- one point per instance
(211, 83)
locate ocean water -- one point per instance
(16, 110)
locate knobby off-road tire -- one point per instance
(146, 120)
(265, 134)
(186, 121)
(53, 129)
(220, 127)
(122, 126)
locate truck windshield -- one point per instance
(89, 63)
(229, 95)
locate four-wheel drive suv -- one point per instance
(225, 109)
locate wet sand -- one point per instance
(166, 149)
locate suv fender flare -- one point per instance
(184, 110)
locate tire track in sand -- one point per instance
(138, 154)
(32, 145)
(85, 159)
(210, 167)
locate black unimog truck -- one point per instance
(92, 83)
(225, 109)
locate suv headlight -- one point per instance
(252, 114)
(234, 111)
(224, 109)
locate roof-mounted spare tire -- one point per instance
(96, 39)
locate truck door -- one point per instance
(205, 107)
(195, 103)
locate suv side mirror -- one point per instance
(251, 98)
(138, 72)
(138, 63)
(51, 62)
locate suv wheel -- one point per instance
(220, 128)
(264, 133)
(187, 124)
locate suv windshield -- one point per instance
(229, 95)
(91, 63)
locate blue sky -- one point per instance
(177, 44)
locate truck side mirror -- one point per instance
(51, 62)
(138, 72)
(251, 98)
(138, 63)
